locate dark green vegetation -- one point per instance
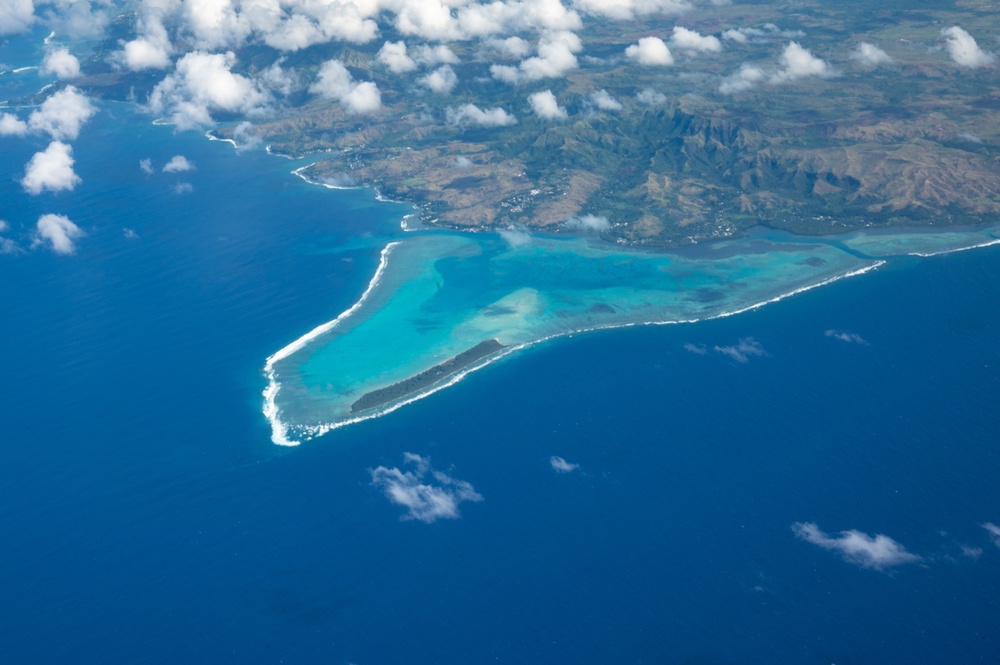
(427, 378)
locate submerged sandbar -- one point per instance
(442, 305)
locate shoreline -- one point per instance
(385, 400)
(309, 432)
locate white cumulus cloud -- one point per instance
(470, 114)
(435, 55)
(426, 493)
(335, 82)
(16, 16)
(747, 77)
(59, 232)
(63, 114)
(650, 51)
(798, 62)
(545, 106)
(559, 465)
(651, 97)
(511, 47)
(178, 164)
(689, 40)
(556, 56)
(442, 80)
(870, 55)
(603, 100)
(628, 9)
(963, 49)
(151, 50)
(393, 55)
(51, 169)
(203, 83)
(11, 125)
(60, 63)
(589, 223)
(878, 552)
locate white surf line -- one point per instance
(212, 137)
(988, 243)
(802, 289)
(279, 431)
(299, 173)
(313, 431)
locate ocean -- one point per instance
(146, 516)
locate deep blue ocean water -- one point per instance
(145, 517)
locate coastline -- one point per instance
(386, 399)
(281, 430)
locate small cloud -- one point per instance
(742, 351)
(651, 97)
(588, 223)
(972, 552)
(603, 100)
(335, 82)
(60, 63)
(51, 169)
(650, 51)
(183, 188)
(849, 337)
(512, 47)
(963, 49)
(545, 106)
(798, 62)
(879, 552)
(63, 114)
(747, 77)
(738, 35)
(689, 40)
(994, 532)
(149, 51)
(442, 80)
(427, 494)
(554, 60)
(7, 246)
(130, 233)
(559, 465)
(516, 237)
(629, 9)
(11, 125)
(697, 349)
(767, 31)
(246, 137)
(178, 164)
(146, 166)
(470, 114)
(435, 55)
(393, 55)
(462, 162)
(59, 232)
(870, 55)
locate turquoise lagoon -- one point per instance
(442, 304)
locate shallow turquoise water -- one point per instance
(439, 294)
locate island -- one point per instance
(583, 165)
